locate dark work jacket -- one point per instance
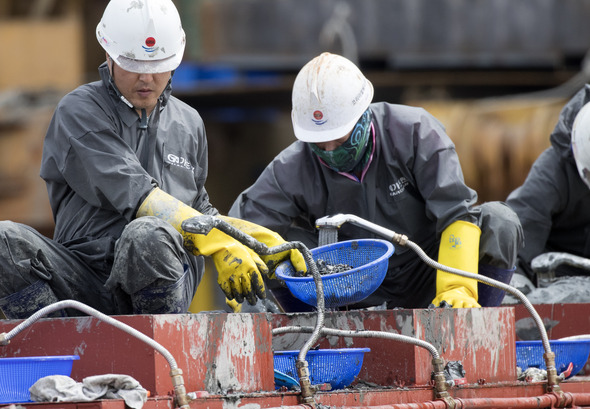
(553, 203)
(99, 164)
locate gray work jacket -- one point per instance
(99, 164)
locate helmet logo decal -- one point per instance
(150, 42)
(317, 118)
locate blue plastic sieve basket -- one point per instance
(17, 375)
(369, 261)
(529, 354)
(338, 367)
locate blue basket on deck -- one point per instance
(529, 354)
(369, 259)
(338, 367)
(17, 375)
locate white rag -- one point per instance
(61, 388)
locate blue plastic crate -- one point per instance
(338, 367)
(17, 375)
(529, 354)
(369, 259)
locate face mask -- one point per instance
(350, 153)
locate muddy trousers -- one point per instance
(150, 273)
(501, 239)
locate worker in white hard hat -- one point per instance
(125, 164)
(392, 165)
(553, 201)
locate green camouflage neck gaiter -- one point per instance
(348, 155)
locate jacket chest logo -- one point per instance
(399, 187)
(179, 161)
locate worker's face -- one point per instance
(141, 90)
(332, 145)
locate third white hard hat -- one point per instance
(581, 142)
(330, 94)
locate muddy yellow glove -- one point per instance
(239, 269)
(459, 248)
(234, 305)
(270, 239)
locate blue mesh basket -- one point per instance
(529, 354)
(338, 367)
(369, 259)
(17, 375)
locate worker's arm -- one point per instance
(270, 239)
(239, 269)
(459, 248)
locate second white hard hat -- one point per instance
(143, 36)
(330, 94)
(581, 143)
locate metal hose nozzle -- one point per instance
(339, 219)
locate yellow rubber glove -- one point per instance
(239, 269)
(234, 305)
(270, 239)
(459, 248)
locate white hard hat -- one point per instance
(581, 142)
(329, 96)
(143, 36)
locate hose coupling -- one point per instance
(307, 390)
(552, 376)
(440, 383)
(181, 397)
(400, 239)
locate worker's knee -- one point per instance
(8, 226)
(21, 261)
(149, 232)
(502, 221)
(502, 236)
(12, 233)
(149, 252)
(8, 230)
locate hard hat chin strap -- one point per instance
(110, 63)
(143, 123)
